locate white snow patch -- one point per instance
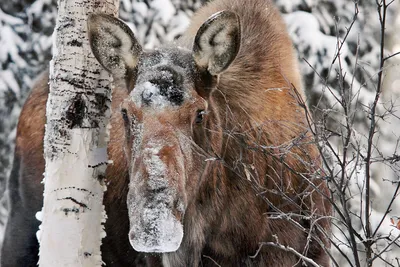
(179, 23)
(9, 80)
(127, 4)
(165, 10)
(309, 30)
(10, 44)
(141, 8)
(290, 5)
(151, 91)
(159, 97)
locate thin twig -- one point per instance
(288, 249)
(382, 9)
(208, 257)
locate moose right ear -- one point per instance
(113, 44)
(217, 42)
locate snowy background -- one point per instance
(314, 25)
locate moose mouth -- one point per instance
(155, 209)
(155, 229)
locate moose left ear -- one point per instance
(217, 42)
(113, 44)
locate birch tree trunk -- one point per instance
(75, 144)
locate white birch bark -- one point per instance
(75, 143)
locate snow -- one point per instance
(7, 34)
(153, 94)
(165, 10)
(292, 5)
(315, 37)
(127, 4)
(7, 19)
(140, 7)
(9, 81)
(309, 30)
(178, 24)
(168, 93)
(148, 90)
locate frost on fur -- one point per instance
(153, 226)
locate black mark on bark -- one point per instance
(75, 42)
(67, 210)
(101, 102)
(76, 112)
(101, 177)
(75, 188)
(98, 165)
(87, 254)
(82, 205)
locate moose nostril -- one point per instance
(160, 190)
(178, 209)
(131, 235)
(178, 215)
(146, 97)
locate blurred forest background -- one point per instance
(318, 29)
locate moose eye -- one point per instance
(200, 116)
(124, 113)
(125, 116)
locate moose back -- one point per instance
(213, 160)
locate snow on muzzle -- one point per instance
(155, 205)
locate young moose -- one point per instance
(212, 158)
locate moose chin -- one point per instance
(213, 158)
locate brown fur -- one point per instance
(20, 247)
(265, 160)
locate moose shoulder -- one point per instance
(212, 155)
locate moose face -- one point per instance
(160, 119)
(169, 120)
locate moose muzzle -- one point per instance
(155, 199)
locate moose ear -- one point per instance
(217, 42)
(113, 44)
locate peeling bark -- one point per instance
(75, 144)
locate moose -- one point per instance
(214, 162)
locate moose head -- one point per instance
(171, 123)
